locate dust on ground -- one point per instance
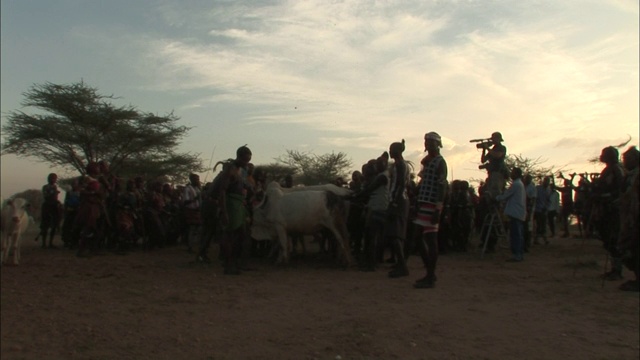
(162, 305)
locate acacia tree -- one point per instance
(529, 166)
(276, 171)
(77, 125)
(314, 169)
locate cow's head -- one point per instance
(15, 211)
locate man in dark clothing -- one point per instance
(233, 213)
(51, 209)
(355, 220)
(566, 197)
(606, 196)
(376, 197)
(398, 210)
(629, 237)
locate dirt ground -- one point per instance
(162, 305)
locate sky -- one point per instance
(558, 79)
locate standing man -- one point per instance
(233, 213)
(50, 213)
(432, 190)
(191, 201)
(376, 196)
(552, 210)
(530, 190)
(629, 236)
(398, 211)
(355, 219)
(493, 160)
(566, 196)
(515, 209)
(606, 196)
(89, 221)
(71, 203)
(540, 213)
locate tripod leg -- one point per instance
(486, 240)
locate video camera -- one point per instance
(484, 144)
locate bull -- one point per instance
(303, 211)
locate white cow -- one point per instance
(340, 191)
(13, 224)
(320, 236)
(299, 212)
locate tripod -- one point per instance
(492, 222)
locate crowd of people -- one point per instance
(390, 211)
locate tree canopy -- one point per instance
(76, 125)
(529, 166)
(275, 171)
(311, 169)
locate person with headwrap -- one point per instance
(432, 191)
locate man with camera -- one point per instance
(493, 156)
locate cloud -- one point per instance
(554, 77)
(325, 70)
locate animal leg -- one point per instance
(16, 251)
(7, 248)
(344, 247)
(14, 243)
(284, 249)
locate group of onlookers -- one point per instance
(605, 204)
(389, 211)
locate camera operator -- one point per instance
(493, 161)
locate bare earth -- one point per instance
(161, 305)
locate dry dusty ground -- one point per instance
(161, 305)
